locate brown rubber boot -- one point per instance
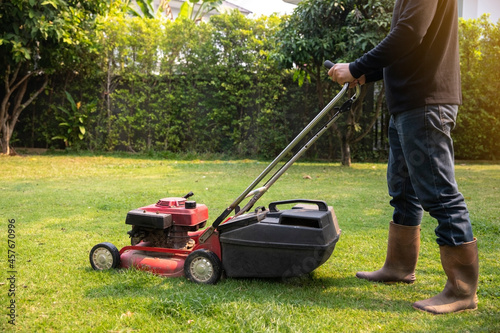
(461, 265)
(402, 254)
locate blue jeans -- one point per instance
(421, 172)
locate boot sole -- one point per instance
(443, 313)
(387, 282)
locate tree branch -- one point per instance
(26, 77)
(9, 89)
(378, 109)
(20, 107)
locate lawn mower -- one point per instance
(169, 238)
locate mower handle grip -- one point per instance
(322, 206)
(328, 64)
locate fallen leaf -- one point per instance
(127, 314)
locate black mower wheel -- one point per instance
(203, 266)
(104, 256)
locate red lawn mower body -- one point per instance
(267, 243)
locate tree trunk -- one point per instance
(346, 152)
(348, 134)
(5, 141)
(319, 88)
(108, 101)
(12, 102)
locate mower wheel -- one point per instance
(104, 256)
(203, 266)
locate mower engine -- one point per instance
(166, 224)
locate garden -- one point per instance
(107, 107)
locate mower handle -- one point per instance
(260, 192)
(328, 64)
(322, 206)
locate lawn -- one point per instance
(64, 205)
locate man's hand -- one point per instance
(341, 74)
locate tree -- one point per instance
(340, 31)
(190, 9)
(37, 39)
(196, 86)
(147, 9)
(476, 135)
(196, 9)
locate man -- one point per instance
(419, 62)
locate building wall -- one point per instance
(490, 6)
(470, 9)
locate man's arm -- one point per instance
(409, 28)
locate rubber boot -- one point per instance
(402, 254)
(460, 263)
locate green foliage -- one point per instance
(340, 31)
(335, 30)
(222, 86)
(40, 38)
(366, 26)
(476, 135)
(194, 86)
(146, 9)
(46, 34)
(73, 121)
(236, 100)
(196, 9)
(193, 10)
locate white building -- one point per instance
(470, 9)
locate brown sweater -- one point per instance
(419, 57)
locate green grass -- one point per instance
(63, 205)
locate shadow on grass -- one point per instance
(357, 303)
(182, 298)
